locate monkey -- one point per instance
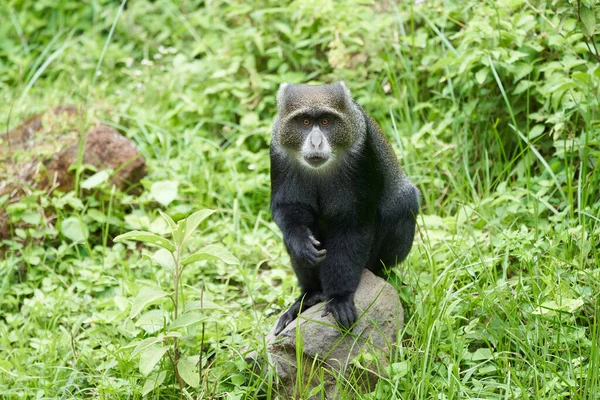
(338, 195)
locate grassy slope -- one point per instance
(501, 287)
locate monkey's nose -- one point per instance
(316, 141)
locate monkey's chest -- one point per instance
(342, 206)
(335, 203)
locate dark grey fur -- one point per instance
(355, 211)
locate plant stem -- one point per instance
(176, 313)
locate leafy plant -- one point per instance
(170, 324)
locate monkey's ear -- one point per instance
(281, 95)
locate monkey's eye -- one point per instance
(306, 122)
(325, 122)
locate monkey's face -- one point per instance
(315, 131)
(317, 124)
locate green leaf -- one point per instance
(237, 379)
(564, 305)
(202, 305)
(188, 372)
(144, 344)
(400, 369)
(179, 233)
(168, 219)
(164, 192)
(121, 302)
(160, 227)
(164, 258)
(73, 228)
(152, 321)
(150, 357)
(187, 320)
(481, 75)
(213, 251)
(154, 381)
(589, 21)
(32, 217)
(145, 297)
(536, 131)
(96, 215)
(96, 180)
(192, 222)
(480, 354)
(146, 237)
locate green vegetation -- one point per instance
(493, 108)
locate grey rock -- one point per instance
(327, 353)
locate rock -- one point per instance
(38, 155)
(327, 352)
(105, 148)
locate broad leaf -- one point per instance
(150, 357)
(73, 228)
(192, 222)
(164, 192)
(536, 131)
(96, 180)
(188, 372)
(202, 305)
(164, 258)
(145, 297)
(168, 219)
(213, 251)
(480, 354)
(179, 234)
(400, 369)
(481, 75)
(144, 344)
(187, 319)
(564, 305)
(589, 21)
(146, 237)
(154, 381)
(153, 321)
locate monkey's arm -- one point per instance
(295, 221)
(348, 255)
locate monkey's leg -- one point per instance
(308, 279)
(348, 253)
(398, 241)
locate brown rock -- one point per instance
(327, 353)
(39, 153)
(105, 148)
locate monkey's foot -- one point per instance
(343, 311)
(305, 301)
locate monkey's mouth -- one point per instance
(316, 160)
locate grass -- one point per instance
(492, 109)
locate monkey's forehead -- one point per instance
(303, 96)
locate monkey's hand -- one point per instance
(306, 247)
(343, 311)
